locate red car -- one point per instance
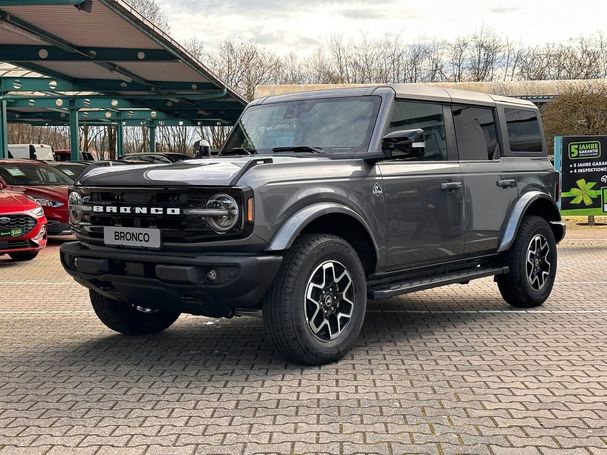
(22, 226)
(42, 182)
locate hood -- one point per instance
(202, 172)
(57, 193)
(12, 202)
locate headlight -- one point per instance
(75, 207)
(37, 212)
(47, 202)
(227, 215)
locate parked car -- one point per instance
(66, 155)
(156, 157)
(22, 226)
(47, 185)
(317, 202)
(41, 152)
(72, 169)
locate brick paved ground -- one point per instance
(452, 370)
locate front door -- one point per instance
(423, 197)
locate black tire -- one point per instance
(517, 287)
(286, 308)
(127, 319)
(23, 256)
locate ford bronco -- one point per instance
(318, 202)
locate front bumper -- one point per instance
(173, 283)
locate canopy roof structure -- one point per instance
(100, 62)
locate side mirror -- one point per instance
(3, 185)
(405, 144)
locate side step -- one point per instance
(443, 279)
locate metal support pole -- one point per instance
(152, 137)
(3, 131)
(74, 132)
(119, 136)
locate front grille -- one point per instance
(175, 229)
(24, 222)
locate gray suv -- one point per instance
(318, 202)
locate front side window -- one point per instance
(410, 115)
(332, 125)
(523, 130)
(476, 133)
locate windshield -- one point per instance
(33, 175)
(334, 125)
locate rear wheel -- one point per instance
(23, 256)
(532, 262)
(316, 307)
(130, 319)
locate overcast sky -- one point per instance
(302, 26)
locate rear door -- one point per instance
(423, 197)
(489, 179)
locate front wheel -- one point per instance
(130, 319)
(532, 262)
(316, 307)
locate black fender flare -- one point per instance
(518, 212)
(290, 229)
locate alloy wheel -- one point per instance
(329, 300)
(538, 266)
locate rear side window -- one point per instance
(476, 133)
(523, 130)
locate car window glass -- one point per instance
(409, 115)
(523, 130)
(26, 174)
(476, 133)
(336, 125)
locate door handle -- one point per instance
(506, 183)
(450, 186)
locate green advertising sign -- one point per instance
(583, 172)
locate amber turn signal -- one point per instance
(250, 210)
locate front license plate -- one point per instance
(133, 237)
(15, 232)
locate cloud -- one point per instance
(286, 26)
(505, 9)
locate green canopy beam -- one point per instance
(28, 53)
(3, 130)
(58, 84)
(40, 2)
(74, 132)
(104, 122)
(152, 142)
(119, 135)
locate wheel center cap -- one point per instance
(328, 301)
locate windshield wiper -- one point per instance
(298, 149)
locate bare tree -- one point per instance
(152, 12)
(579, 112)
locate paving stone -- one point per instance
(448, 371)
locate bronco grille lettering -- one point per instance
(130, 210)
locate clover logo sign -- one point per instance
(583, 193)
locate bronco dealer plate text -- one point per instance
(134, 237)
